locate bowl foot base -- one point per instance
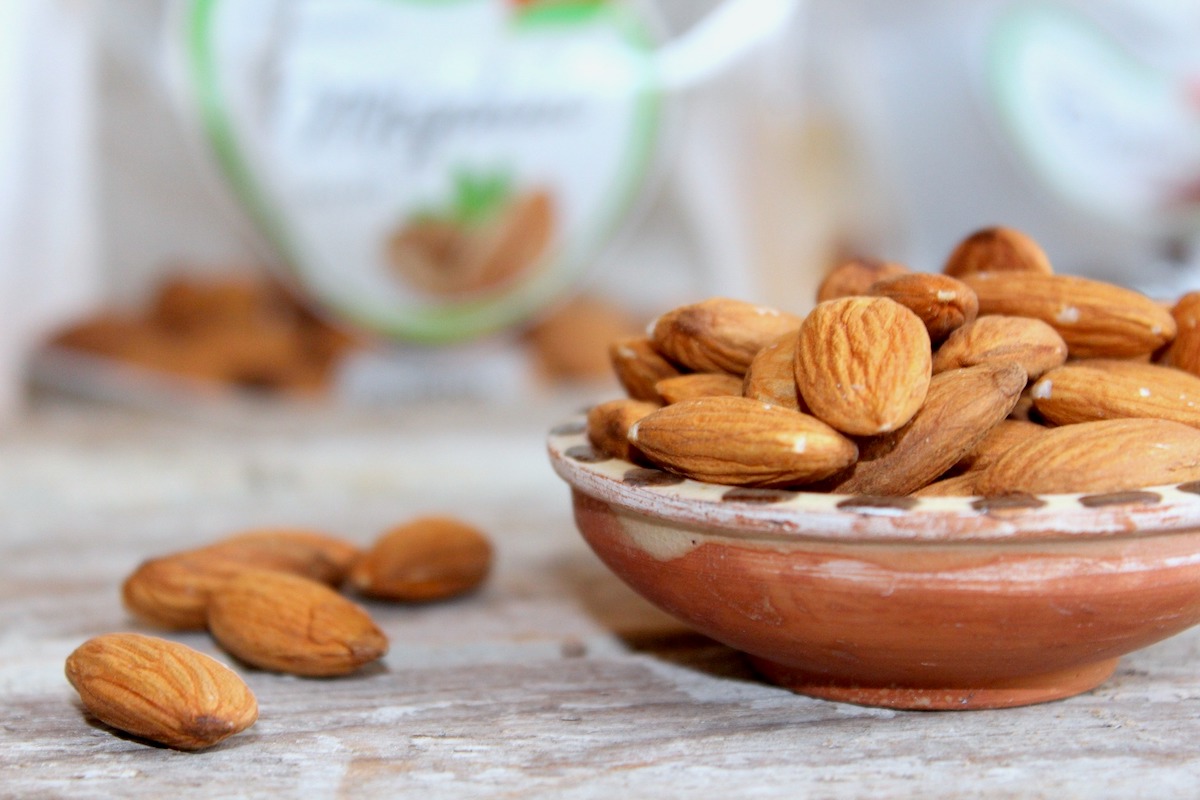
(1007, 693)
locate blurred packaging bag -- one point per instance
(1077, 121)
(49, 262)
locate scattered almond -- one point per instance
(719, 334)
(431, 558)
(1185, 350)
(172, 591)
(955, 486)
(160, 690)
(735, 440)
(998, 441)
(863, 364)
(288, 623)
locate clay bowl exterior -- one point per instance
(934, 603)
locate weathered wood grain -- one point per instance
(554, 681)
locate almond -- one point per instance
(855, 277)
(962, 406)
(1104, 456)
(287, 623)
(735, 440)
(943, 303)
(608, 427)
(1185, 350)
(1095, 319)
(1006, 435)
(638, 367)
(1031, 343)
(955, 486)
(698, 384)
(1111, 389)
(431, 558)
(997, 250)
(863, 364)
(160, 690)
(172, 591)
(771, 377)
(719, 334)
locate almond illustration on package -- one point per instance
(995, 376)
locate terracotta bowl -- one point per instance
(936, 603)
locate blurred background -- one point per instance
(357, 203)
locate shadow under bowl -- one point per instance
(914, 603)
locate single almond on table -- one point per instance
(287, 623)
(943, 303)
(430, 558)
(997, 338)
(698, 384)
(719, 334)
(863, 364)
(743, 442)
(1103, 456)
(961, 407)
(1095, 319)
(771, 377)
(160, 690)
(997, 250)
(172, 591)
(638, 367)
(608, 427)
(1185, 350)
(855, 276)
(1111, 389)
(996, 442)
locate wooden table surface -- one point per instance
(554, 681)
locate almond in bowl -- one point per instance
(911, 531)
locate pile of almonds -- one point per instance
(995, 376)
(270, 598)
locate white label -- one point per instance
(430, 169)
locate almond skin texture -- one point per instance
(863, 364)
(771, 377)
(1104, 456)
(160, 690)
(286, 623)
(173, 591)
(698, 384)
(962, 406)
(431, 558)
(638, 367)
(1031, 343)
(608, 427)
(742, 442)
(943, 303)
(1095, 319)
(956, 486)
(997, 250)
(998, 441)
(855, 277)
(1109, 389)
(719, 334)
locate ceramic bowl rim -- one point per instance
(797, 515)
